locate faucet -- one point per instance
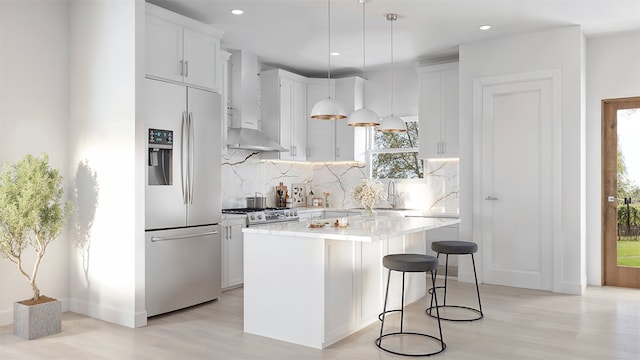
(391, 193)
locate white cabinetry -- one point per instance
(223, 75)
(333, 140)
(180, 49)
(438, 110)
(350, 93)
(232, 252)
(321, 140)
(284, 112)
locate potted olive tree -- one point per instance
(32, 215)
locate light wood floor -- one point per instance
(518, 324)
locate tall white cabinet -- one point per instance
(438, 110)
(181, 50)
(284, 112)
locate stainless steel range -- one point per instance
(257, 217)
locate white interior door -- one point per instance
(517, 216)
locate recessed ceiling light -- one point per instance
(335, 53)
(485, 27)
(237, 12)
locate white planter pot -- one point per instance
(34, 321)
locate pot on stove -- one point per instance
(259, 201)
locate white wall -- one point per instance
(613, 71)
(555, 49)
(107, 258)
(33, 115)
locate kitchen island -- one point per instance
(314, 286)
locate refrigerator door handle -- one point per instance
(167, 238)
(183, 179)
(191, 156)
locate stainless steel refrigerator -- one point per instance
(182, 213)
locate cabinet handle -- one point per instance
(180, 237)
(444, 147)
(337, 152)
(438, 148)
(181, 67)
(491, 198)
(186, 73)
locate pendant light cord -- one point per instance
(364, 42)
(391, 18)
(329, 49)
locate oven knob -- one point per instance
(252, 217)
(259, 216)
(294, 213)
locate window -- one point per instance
(395, 155)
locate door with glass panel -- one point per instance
(621, 191)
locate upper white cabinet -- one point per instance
(182, 50)
(284, 112)
(321, 140)
(438, 110)
(350, 93)
(333, 140)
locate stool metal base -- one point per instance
(379, 343)
(430, 309)
(384, 312)
(434, 295)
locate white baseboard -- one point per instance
(571, 288)
(115, 316)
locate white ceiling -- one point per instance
(292, 34)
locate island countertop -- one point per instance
(359, 228)
(316, 286)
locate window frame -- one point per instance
(371, 150)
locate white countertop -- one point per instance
(359, 229)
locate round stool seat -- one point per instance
(454, 247)
(410, 262)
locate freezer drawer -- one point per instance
(182, 268)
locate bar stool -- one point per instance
(454, 248)
(408, 263)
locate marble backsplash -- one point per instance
(244, 174)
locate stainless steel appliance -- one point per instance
(182, 214)
(265, 216)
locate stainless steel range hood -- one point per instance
(243, 113)
(251, 139)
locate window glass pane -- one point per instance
(399, 165)
(628, 186)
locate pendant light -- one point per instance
(392, 123)
(364, 117)
(328, 109)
